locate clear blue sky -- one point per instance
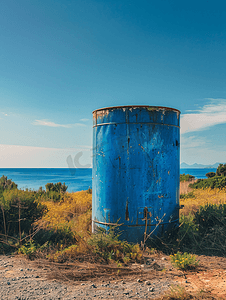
(61, 59)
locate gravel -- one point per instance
(21, 279)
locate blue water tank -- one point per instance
(136, 173)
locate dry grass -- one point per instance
(202, 197)
(179, 293)
(73, 212)
(94, 271)
(71, 215)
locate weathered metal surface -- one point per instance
(136, 152)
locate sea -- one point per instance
(76, 179)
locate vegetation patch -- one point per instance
(179, 293)
(186, 177)
(187, 196)
(107, 245)
(184, 261)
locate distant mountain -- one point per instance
(198, 166)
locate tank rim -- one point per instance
(138, 106)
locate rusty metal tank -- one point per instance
(136, 152)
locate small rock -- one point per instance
(123, 282)
(21, 269)
(147, 282)
(156, 267)
(93, 286)
(163, 258)
(151, 289)
(8, 282)
(126, 292)
(138, 280)
(82, 283)
(37, 276)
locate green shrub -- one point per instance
(19, 205)
(55, 237)
(57, 187)
(187, 235)
(107, 245)
(209, 216)
(89, 191)
(188, 195)
(6, 184)
(54, 192)
(221, 170)
(184, 261)
(214, 182)
(186, 177)
(210, 174)
(28, 249)
(203, 232)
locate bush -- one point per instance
(187, 196)
(184, 261)
(186, 177)
(187, 234)
(202, 232)
(210, 174)
(19, 205)
(214, 182)
(107, 245)
(205, 231)
(221, 170)
(6, 184)
(209, 216)
(63, 236)
(66, 225)
(57, 187)
(28, 249)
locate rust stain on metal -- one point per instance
(131, 107)
(100, 113)
(145, 213)
(128, 140)
(127, 211)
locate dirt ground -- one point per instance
(149, 280)
(209, 276)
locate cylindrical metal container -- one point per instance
(136, 152)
